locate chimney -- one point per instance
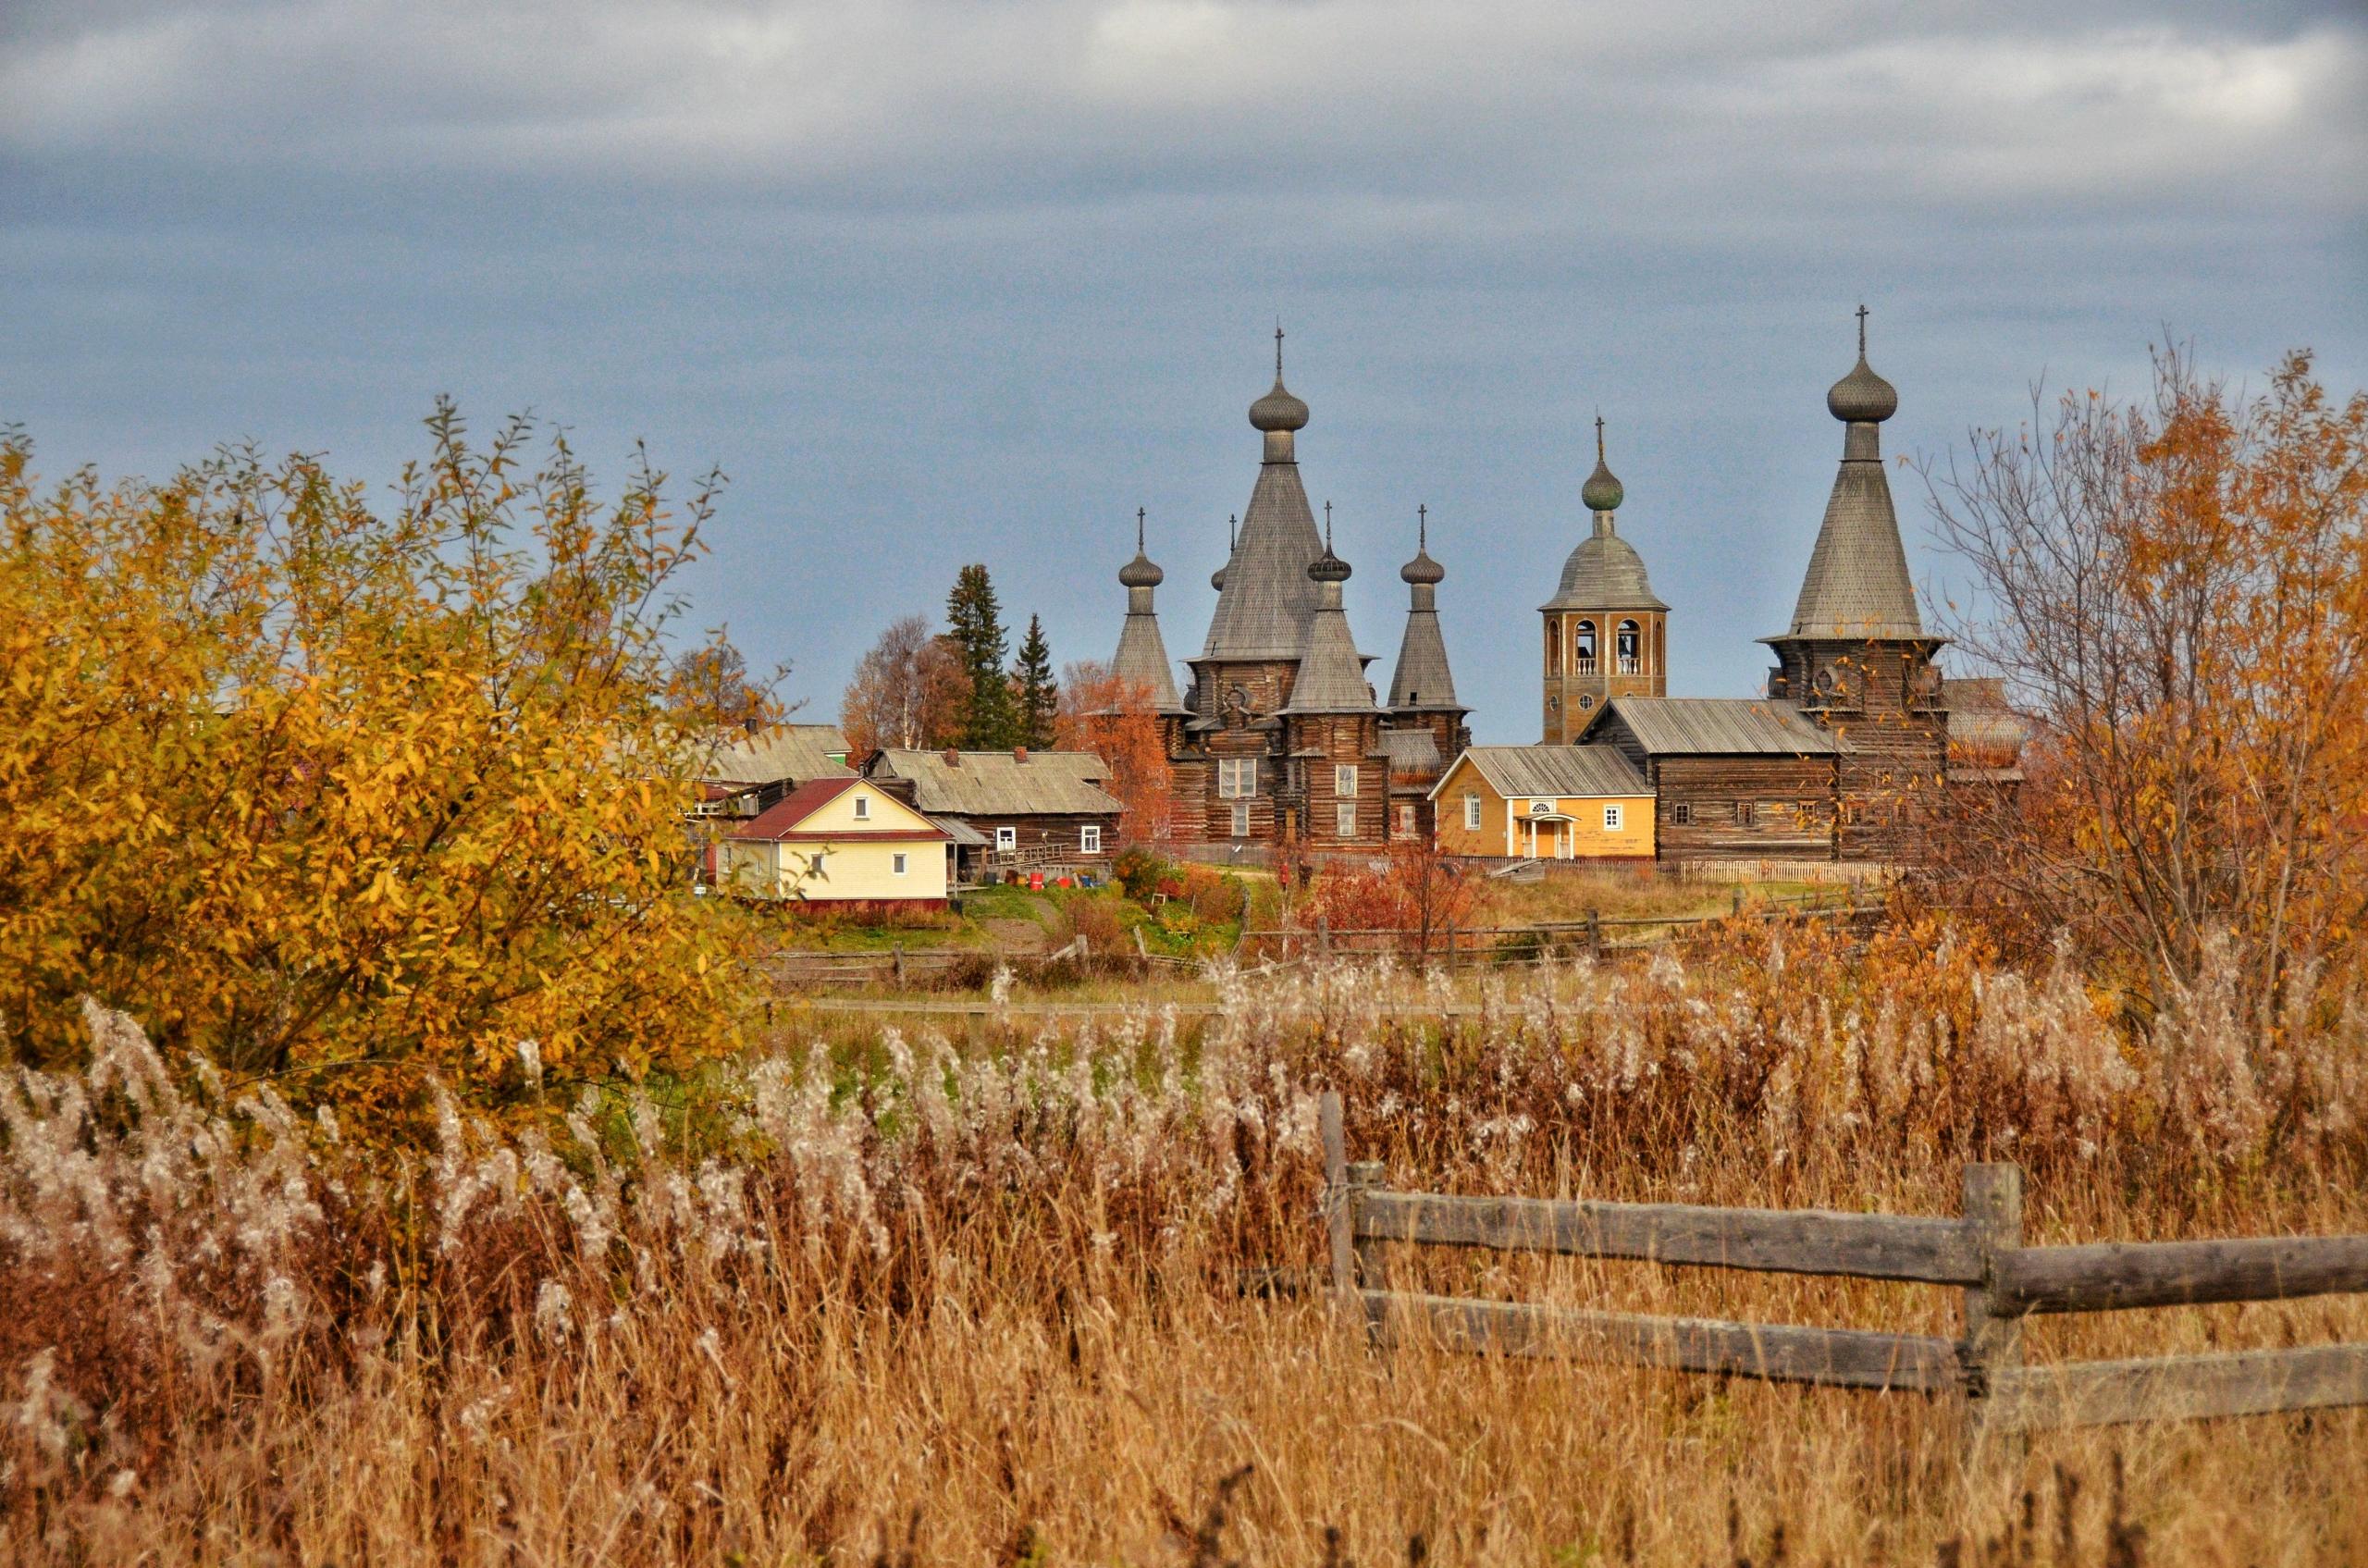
(1019, 754)
(953, 758)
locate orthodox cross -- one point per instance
(1278, 350)
(1598, 437)
(1422, 529)
(1138, 530)
(1862, 331)
(1328, 527)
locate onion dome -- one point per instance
(1862, 397)
(1216, 578)
(1279, 410)
(1140, 572)
(1327, 567)
(1602, 492)
(1422, 571)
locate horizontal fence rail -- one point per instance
(2111, 1276)
(1980, 1252)
(1846, 1358)
(1865, 1246)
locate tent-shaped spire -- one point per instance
(1857, 584)
(1142, 659)
(1423, 682)
(1267, 599)
(1331, 673)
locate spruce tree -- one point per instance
(975, 622)
(1039, 695)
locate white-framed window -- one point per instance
(1007, 838)
(1406, 818)
(1541, 808)
(1088, 839)
(1472, 812)
(1237, 778)
(1680, 813)
(863, 807)
(1611, 815)
(814, 858)
(896, 863)
(1241, 818)
(1344, 819)
(1344, 778)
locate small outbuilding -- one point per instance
(1544, 803)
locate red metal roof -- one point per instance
(779, 820)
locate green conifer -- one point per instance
(1038, 693)
(974, 621)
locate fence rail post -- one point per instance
(1993, 1340)
(1339, 1216)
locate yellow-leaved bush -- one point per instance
(355, 798)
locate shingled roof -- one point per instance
(1142, 659)
(1331, 676)
(1721, 727)
(999, 783)
(1266, 602)
(1858, 584)
(1423, 682)
(1604, 572)
(1552, 771)
(795, 752)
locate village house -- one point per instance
(1544, 803)
(1009, 813)
(841, 842)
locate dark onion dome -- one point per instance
(1602, 492)
(1423, 569)
(1279, 410)
(1216, 578)
(1862, 397)
(1328, 568)
(1141, 573)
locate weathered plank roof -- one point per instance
(997, 784)
(1719, 726)
(798, 752)
(1553, 772)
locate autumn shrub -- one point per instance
(355, 798)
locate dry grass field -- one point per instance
(1056, 1299)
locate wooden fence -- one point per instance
(1453, 945)
(1980, 1252)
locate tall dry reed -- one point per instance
(1033, 1303)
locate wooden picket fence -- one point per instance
(1980, 1252)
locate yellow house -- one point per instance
(1544, 803)
(836, 841)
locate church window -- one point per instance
(1553, 647)
(1472, 812)
(1344, 819)
(1237, 777)
(1680, 813)
(1344, 778)
(1611, 815)
(1406, 817)
(1583, 649)
(1632, 659)
(1241, 818)
(1745, 815)
(1587, 701)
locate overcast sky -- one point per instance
(971, 281)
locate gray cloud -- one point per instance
(948, 282)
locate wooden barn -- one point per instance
(1009, 812)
